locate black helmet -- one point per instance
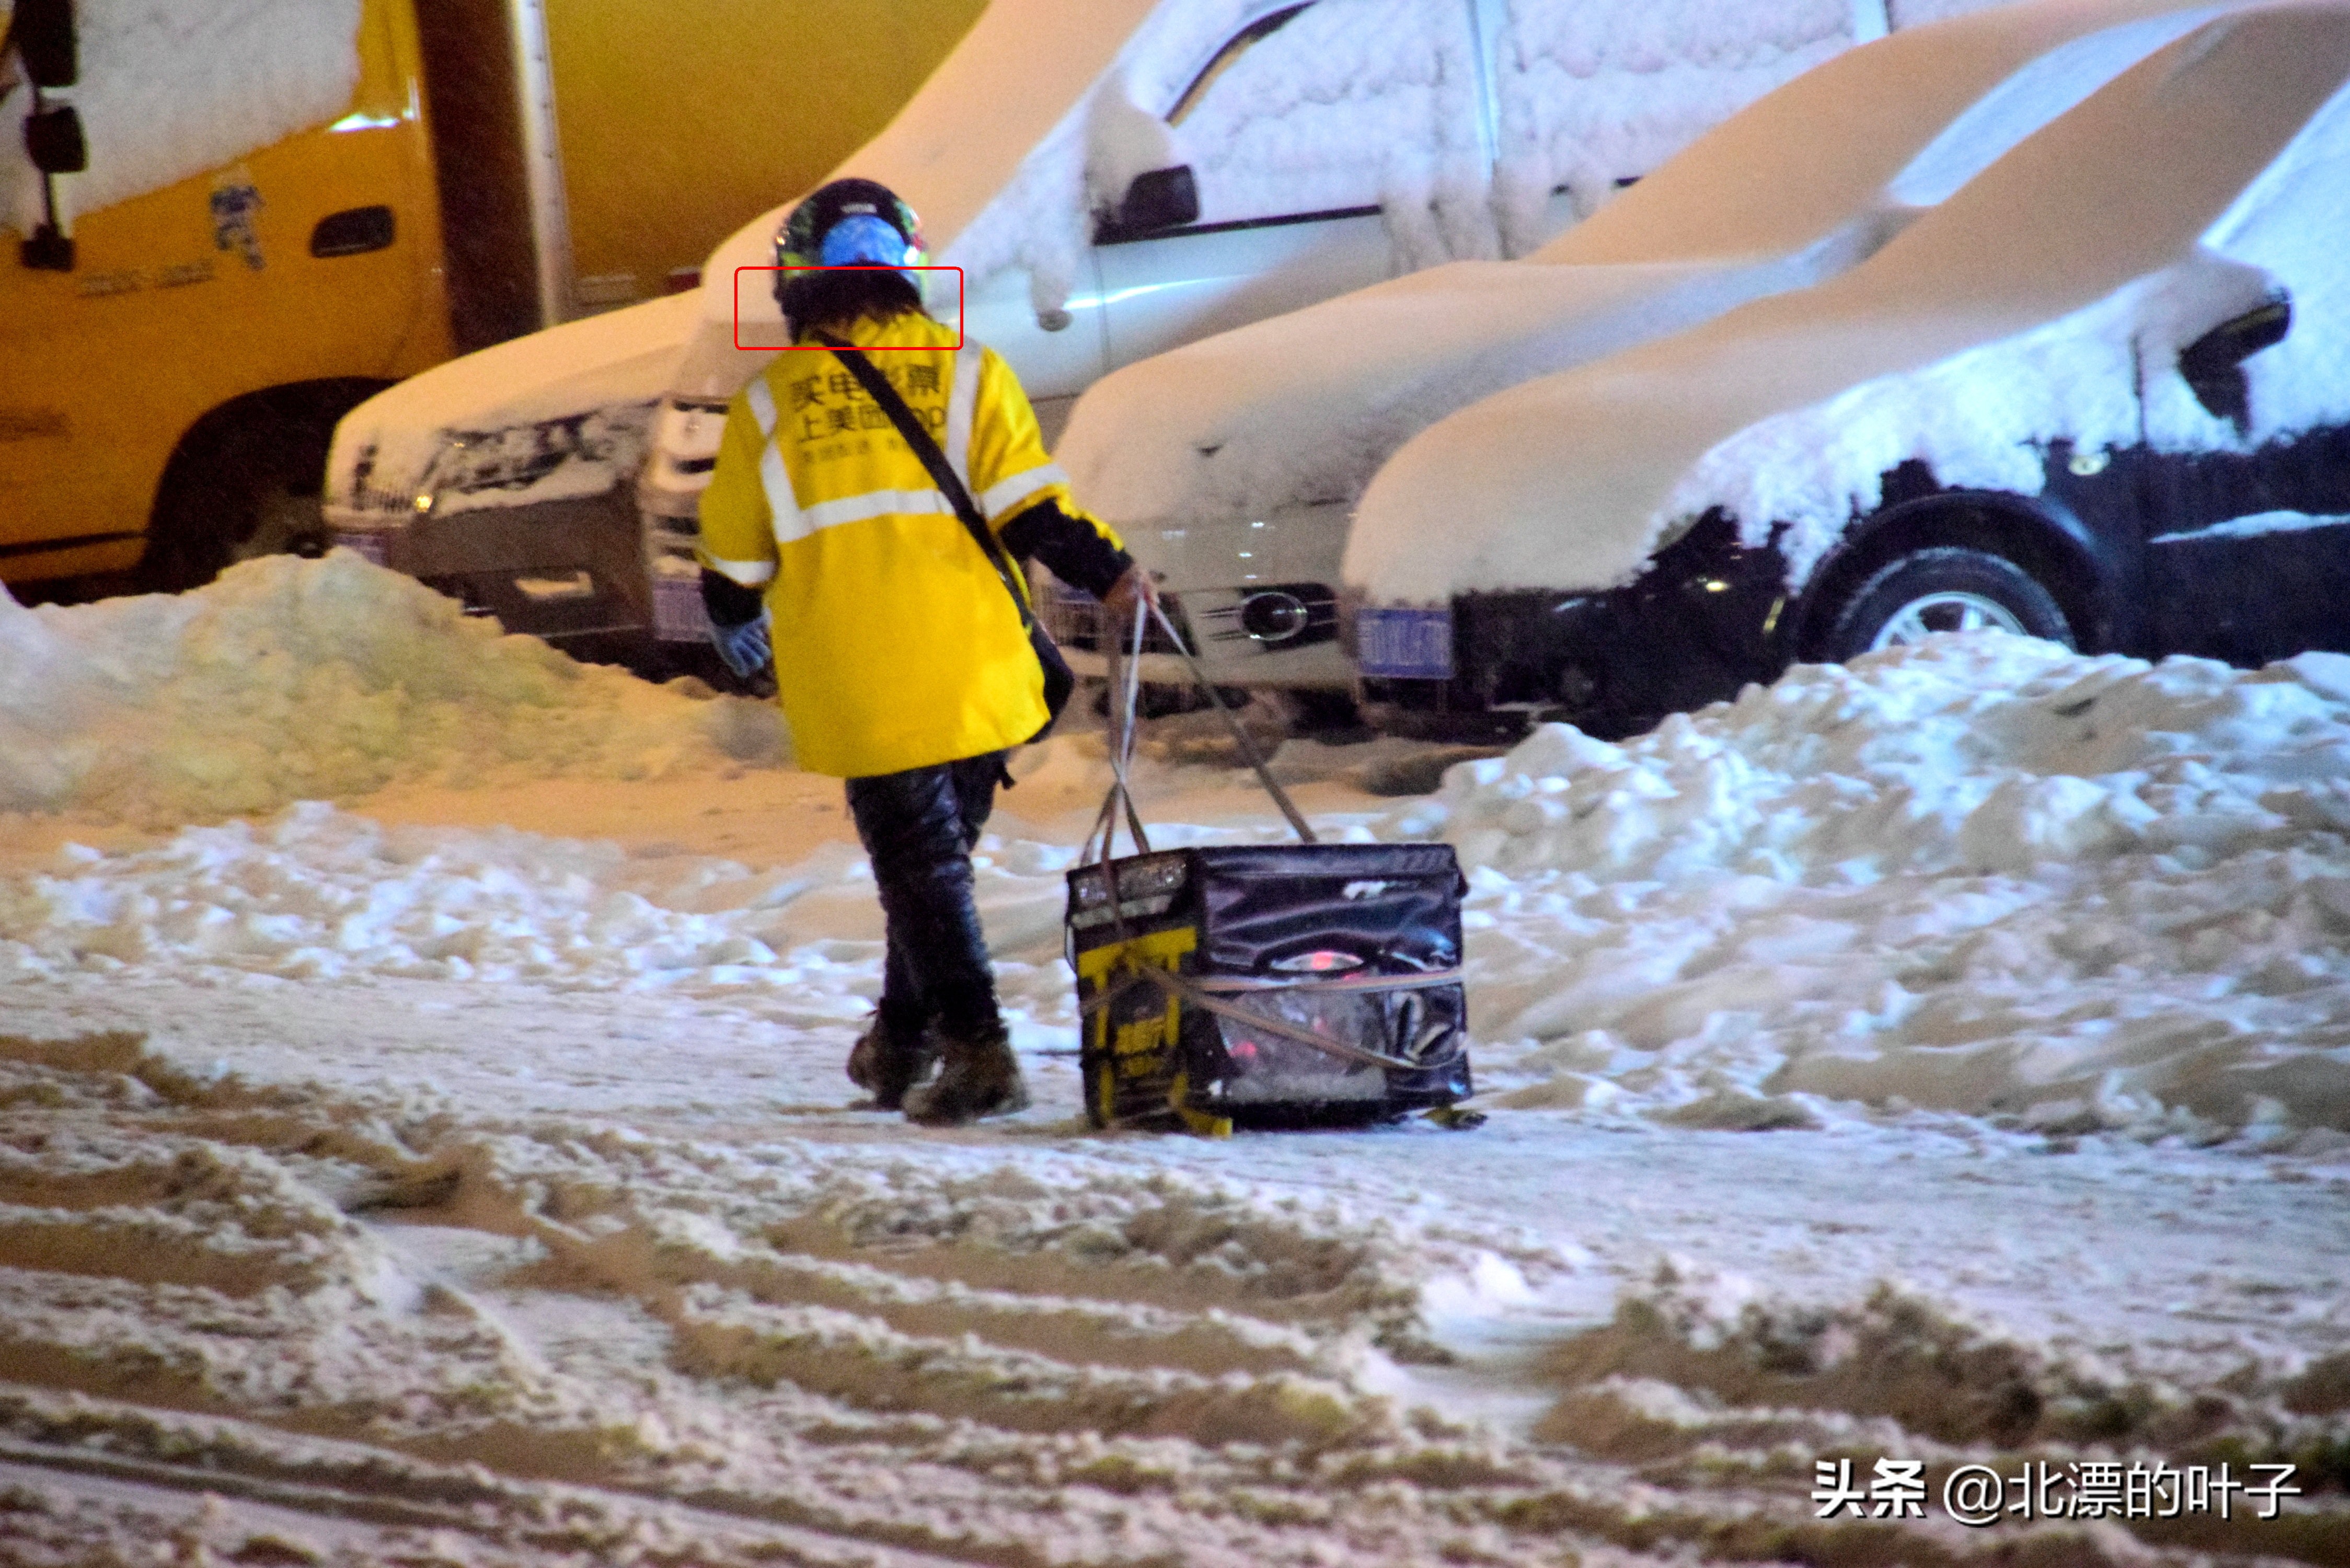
(850, 223)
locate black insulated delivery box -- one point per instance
(1295, 985)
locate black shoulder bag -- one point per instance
(1059, 678)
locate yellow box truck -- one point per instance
(225, 222)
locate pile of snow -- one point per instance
(290, 680)
(1983, 874)
(1985, 755)
(171, 89)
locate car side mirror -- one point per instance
(54, 141)
(2213, 365)
(43, 34)
(1159, 198)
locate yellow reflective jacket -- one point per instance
(896, 645)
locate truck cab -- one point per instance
(197, 286)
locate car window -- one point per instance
(1340, 105)
(1248, 37)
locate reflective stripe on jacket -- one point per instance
(896, 646)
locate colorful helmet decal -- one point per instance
(864, 239)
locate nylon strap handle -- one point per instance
(1124, 719)
(1125, 681)
(1231, 722)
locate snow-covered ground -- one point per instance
(422, 1136)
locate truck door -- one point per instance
(47, 497)
(252, 251)
(1316, 137)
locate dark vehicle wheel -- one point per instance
(255, 496)
(1943, 590)
(246, 481)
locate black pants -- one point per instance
(920, 826)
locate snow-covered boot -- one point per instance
(981, 1078)
(885, 1061)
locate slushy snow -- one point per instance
(378, 1190)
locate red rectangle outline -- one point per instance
(868, 348)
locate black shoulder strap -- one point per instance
(942, 474)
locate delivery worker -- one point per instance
(901, 646)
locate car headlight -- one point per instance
(577, 454)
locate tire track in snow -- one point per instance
(516, 1513)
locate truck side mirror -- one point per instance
(54, 141)
(50, 249)
(2213, 365)
(42, 32)
(1157, 199)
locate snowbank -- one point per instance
(171, 89)
(291, 680)
(1990, 755)
(1981, 875)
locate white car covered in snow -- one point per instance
(1233, 464)
(1113, 178)
(2101, 395)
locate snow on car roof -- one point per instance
(1906, 119)
(998, 151)
(2119, 189)
(1301, 410)
(1004, 109)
